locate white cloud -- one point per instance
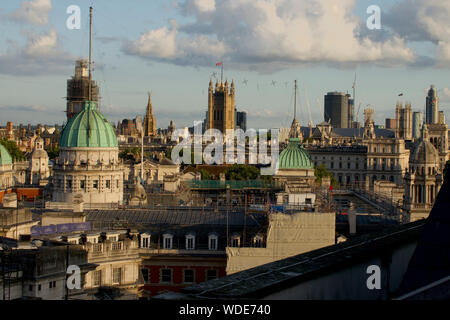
(263, 34)
(40, 55)
(444, 95)
(423, 20)
(205, 5)
(42, 45)
(35, 12)
(158, 43)
(166, 45)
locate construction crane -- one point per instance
(357, 113)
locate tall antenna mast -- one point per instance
(142, 156)
(295, 99)
(90, 63)
(354, 101)
(90, 53)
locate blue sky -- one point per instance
(170, 48)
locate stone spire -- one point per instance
(149, 120)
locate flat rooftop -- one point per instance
(263, 280)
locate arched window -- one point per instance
(213, 240)
(167, 241)
(190, 241)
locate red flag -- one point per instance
(219, 64)
(331, 187)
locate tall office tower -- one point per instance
(351, 105)
(221, 105)
(336, 109)
(149, 120)
(390, 123)
(403, 119)
(78, 89)
(417, 124)
(241, 120)
(432, 106)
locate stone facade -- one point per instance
(288, 235)
(423, 179)
(93, 173)
(38, 171)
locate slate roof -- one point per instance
(174, 216)
(258, 282)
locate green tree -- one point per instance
(133, 153)
(13, 150)
(242, 172)
(321, 171)
(205, 174)
(53, 152)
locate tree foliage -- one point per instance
(321, 172)
(13, 149)
(133, 153)
(205, 174)
(53, 152)
(242, 172)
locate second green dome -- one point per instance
(294, 156)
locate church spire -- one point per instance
(149, 103)
(149, 120)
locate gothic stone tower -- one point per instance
(404, 120)
(221, 106)
(149, 120)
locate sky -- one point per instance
(171, 48)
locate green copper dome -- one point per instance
(88, 128)
(5, 157)
(294, 156)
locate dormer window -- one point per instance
(167, 241)
(235, 241)
(213, 241)
(258, 241)
(145, 240)
(112, 238)
(190, 242)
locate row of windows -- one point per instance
(375, 166)
(166, 275)
(98, 277)
(51, 285)
(348, 179)
(167, 241)
(82, 184)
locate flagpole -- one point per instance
(221, 73)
